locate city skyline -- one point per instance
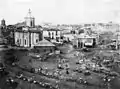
(61, 11)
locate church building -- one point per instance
(2, 29)
(28, 35)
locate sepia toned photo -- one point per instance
(59, 44)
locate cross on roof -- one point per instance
(29, 11)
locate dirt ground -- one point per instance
(72, 56)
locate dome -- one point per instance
(30, 20)
(29, 15)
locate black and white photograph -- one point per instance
(59, 44)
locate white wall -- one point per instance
(46, 34)
(34, 37)
(26, 37)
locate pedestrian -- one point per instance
(67, 72)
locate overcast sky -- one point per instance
(61, 11)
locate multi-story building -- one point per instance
(28, 35)
(68, 37)
(27, 38)
(29, 20)
(84, 40)
(2, 29)
(52, 34)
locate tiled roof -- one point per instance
(28, 30)
(51, 29)
(44, 42)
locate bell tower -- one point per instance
(30, 20)
(3, 22)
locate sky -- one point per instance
(61, 11)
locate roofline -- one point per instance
(51, 29)
(35, 31)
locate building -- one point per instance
(27, 35)
(84, 40)
(68, 37)
(29, 20)
(45, 46)
(27, 38)
(52, 34)
(117, 39)
(3, 24)
(2, 29)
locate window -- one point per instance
(52, 35)
(56, 33)
(49, 34)
(20, 41)
(25, 42)
(31, 23)
(17, 40)
(57, 39)
(36, 40)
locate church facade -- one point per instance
(28, 35)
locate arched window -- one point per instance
(25, 42)
(49, 34)
(52, 35)
(37, 40)
(56, 33)
(18, 42)
(31, 23)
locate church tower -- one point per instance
(2, 27)
(3, 23)
(30, 20)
